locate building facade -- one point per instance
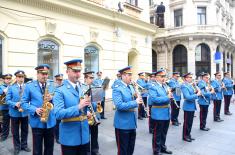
(52, 31)
(197, 33)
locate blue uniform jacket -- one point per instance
(4, 106)
(158, 97)
(123, 99)
(229, 85)
(143, 83)
(149, 102)
(203, 87)
(218, 90)
(66, 101)
(33, 98)
(174, 84)
(13, 96)
(189, 97)
(98, 83)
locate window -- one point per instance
(48, 53)
(180, 59)
(178, 17)
(91, 58)
(228, 61)
(154, 61)
(0, 55)
(201, 16)
(133, 2)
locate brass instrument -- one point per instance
(169, 91)
(46, 107)
(92, 120)
(99, 107)
(3, 96)
(137, 87)
(211, 89)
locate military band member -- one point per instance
(217, 97)
(190, 94)
(160, 112)
(98, 82)
(4, 107)
(34, 96)
(58, 82)
(19, 118)
(125, 120)
(175, 87)
(204, 99)
(70, 108)
(88, 80)
(151, 81)
(142, 81)
(228, 92)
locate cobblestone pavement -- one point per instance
(220, 140)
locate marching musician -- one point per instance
(34, 96)
(190, 94)
(175, 87)
(228, 92)
(88, 80)
(142, 81)
(57, 83)
(4, 107)
(98, 82)
(125, 120)
(160, 112)
(151, 81)
(217, 97)
(204, 99)
(116, 80)
(19, 118)
(70, 108)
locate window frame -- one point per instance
(179, 16)
(200, 15)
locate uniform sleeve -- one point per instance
(120, 104)
(25, 101)
(171, 84)
(1, 90)
(59, 108)
(155, 99)
(214, 85)
(187, 95)
(9, 97)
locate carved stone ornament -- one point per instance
(94, 34)
(50, 26)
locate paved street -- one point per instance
(220, 140)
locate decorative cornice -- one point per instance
(77, 8)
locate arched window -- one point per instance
(48, 53)
(91, 58)
(224, 58)
(1, 55)
(180, 59)
(154, 61)
(228, 62)
(232, 65)
(203, 59)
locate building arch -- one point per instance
(179, 58)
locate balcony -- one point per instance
(132, 10)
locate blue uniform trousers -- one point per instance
(125, 140)
(227, 99)
(43, 135)
(203, 115)
(174, 111)
(75, 150)
(188, 122)
(22, 124)
(216, 111)
(159, 135)
(5, 124)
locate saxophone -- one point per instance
(46, 107)
(3, 96)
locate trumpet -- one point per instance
(138, 93)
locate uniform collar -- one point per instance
(123, 83)
(73, 84)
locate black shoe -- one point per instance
(175, 123)
(103, 118)
(187, 139)
(191, 138)
(228, 113)
(166, 151)
(26, 149)
(158, 153)
(218, 120)
(204, 129)
(16, 152)
(140, 118)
